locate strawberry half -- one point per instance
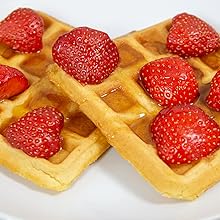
(37, 133)
(213, 99)
(22, 30)
(184, 134)
(88, 55)
(189, 36)
(170, 81)
(12, 82)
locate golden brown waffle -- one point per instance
(82, 142)
(122, 111)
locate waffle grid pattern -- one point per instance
(122, 111)
(82, 143)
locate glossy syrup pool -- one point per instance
(128, 55)
(36, 64)
(74, 121)
(154, 41)
(117, 99)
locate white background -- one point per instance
(109, 189)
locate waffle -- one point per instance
(82, 141)
(123, 112)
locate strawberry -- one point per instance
(37, 133)
(213, 99)
(184, 133)
(88, 55)
(12, 82)
(22, 30)
(189, 36)
(169, 81)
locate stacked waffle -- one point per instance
(99, 86)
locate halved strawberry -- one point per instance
(189, 36)
(88, 55)
(37, 133)
(213, 99)
(22, 30)
(12, 82)
(184, 133)
(170, 81)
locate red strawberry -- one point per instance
(88, 55)
(12, 82)
(170, 81)
(184, 134)
(22, 30)
(213, 99)
(190, 36)
(37, 133)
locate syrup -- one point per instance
(141, 128)
(117, 100)
(36, 64)
(80, 124)
(153, 41)
(44, 98)
(128, 55)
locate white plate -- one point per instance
(109, 189)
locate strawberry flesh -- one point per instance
(88, 55)
(170, 81)
(37, 133)
(22, 30)
(12, 82)
(189, 36)
(213, 99)
(184, 133)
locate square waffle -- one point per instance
(122, 110)
(82, 141)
